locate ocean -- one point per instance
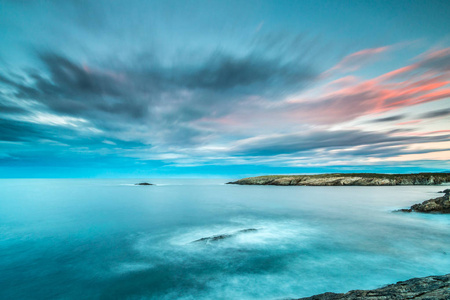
(110, 239)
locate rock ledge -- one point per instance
(429, 288)
(436, 205)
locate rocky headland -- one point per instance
(429, 288)
(357, 179)
(436, 205)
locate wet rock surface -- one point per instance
(426, 288)
(436, 205)
(223, 236)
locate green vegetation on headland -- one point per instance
(337, 179)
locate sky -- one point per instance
(223, 88)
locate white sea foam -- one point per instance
(267, 232)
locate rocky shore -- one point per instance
(359, 179)
(436, 205)
(430, 288)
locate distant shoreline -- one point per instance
(347, 179)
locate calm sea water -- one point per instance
(109, 239)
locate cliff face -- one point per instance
(366, 179)
(430, 288)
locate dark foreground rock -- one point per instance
(223, 236)
(436, 205)
(143, 183)
(362, 179)
(429, 288)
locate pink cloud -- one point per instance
(398, 72)
(409, 122)
(435, 54)
(421, 82)
(342, 82)
(356, 60)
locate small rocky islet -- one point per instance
(219, 237)
(143, 183)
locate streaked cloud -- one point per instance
(357, 60)
(131, 93)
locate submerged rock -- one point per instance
(143, 183)
(213, 238)
(430, 288)
(436, 205)
(223, 236)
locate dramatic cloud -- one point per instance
(291, 143)
(159, 98)
(425, 81)
(106, 83)
(172, 109)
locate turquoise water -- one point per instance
(109, 239)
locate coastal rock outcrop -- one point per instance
(360, 179)
(143, 183)
(436, 205)
(223, 236)
(429, 288)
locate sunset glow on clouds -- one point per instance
(162, 102)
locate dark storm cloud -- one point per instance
(386, 150)
(68, 88)
(388, 119)
(225, 72)
(377, 150)
(13, 131)
(436, 113)
(72, 78)
(32, 133)
(9, 108)
(156, 97)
